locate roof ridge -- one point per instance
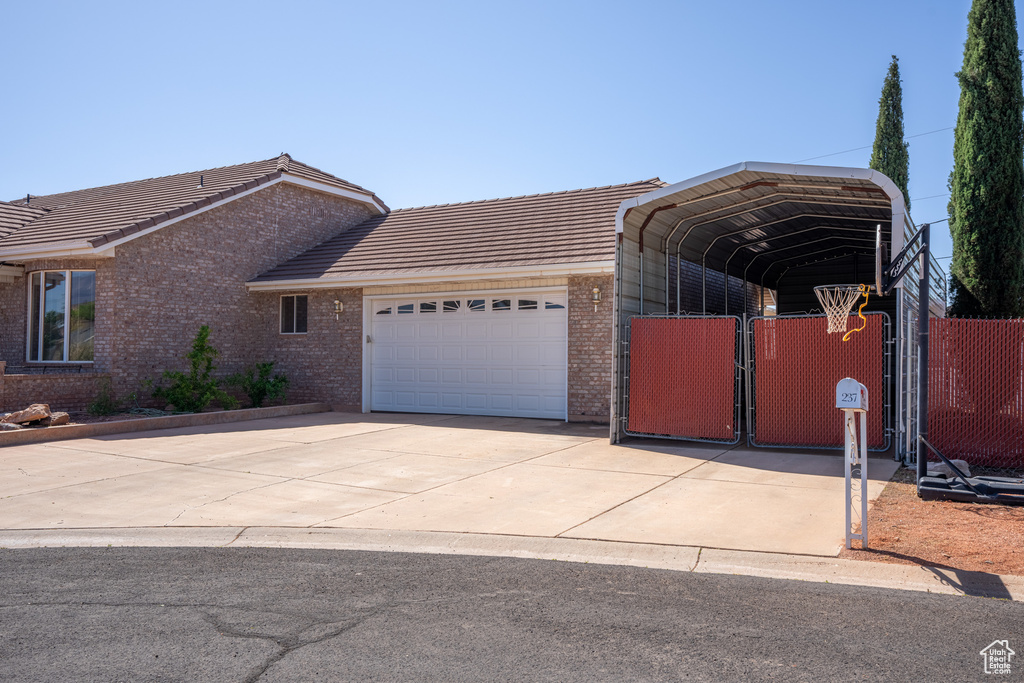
(20, 202)
(530, 196)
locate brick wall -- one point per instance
(159, 288)
(62, 392)
(590, 349)
(325, 364)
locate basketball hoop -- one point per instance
(838, 302)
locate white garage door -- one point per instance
(495, 354)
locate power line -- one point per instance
(858, 149)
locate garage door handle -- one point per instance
(368, 340)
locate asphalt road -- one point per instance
(140, 614)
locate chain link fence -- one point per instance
(976, 393)
(683, 376)
(795, 365)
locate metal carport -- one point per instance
(761, 224)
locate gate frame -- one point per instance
(739, 373)
(751, 370)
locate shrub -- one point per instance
(106, 402)
(194, 391)
(258, 385)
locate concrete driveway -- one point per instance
(473, 475)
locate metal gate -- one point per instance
(794, 366)
(683, 377)
(684, 374)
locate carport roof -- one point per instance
(759, 218)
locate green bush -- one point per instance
(194, 391)
(258, 385)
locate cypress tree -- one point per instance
(889, 154)
(986, 205)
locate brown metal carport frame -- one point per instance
(753, 221)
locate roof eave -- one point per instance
(426, 277)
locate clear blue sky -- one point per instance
(428, 103)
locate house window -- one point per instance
(62, 316)
(293, 314)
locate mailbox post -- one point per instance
(852, 399)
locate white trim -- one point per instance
(83, 248)
(331, 189)
(76, 249)
(554, 270)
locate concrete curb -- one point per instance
(676, 558)
(145, 424)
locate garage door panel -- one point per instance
(476, 330)
(475, 352)
(502, 330)
(501, 353)
(501, 376)
(491, 355)
(476, 401)
(476, 375)
(501, 401)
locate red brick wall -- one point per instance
(325, 364)
(62, 392)
(590, 349)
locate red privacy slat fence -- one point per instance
(976, 390)
(682, 377)
(797, 365)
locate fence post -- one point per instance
(923, 305)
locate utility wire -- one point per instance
(858, 149)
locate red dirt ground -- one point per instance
(904, 529)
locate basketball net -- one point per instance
(838, 302)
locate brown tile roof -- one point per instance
(14, 216)
(554, 228)
(102, 214)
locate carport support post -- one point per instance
(923, 306)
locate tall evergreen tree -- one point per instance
(986, 205)
(890, 155)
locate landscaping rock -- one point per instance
(55, 419)
(8, 426)
(34, 413)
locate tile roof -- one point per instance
(100, 215)
(14, 216)
(554, 228)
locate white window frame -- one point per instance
(68, 272)
(280, 314)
